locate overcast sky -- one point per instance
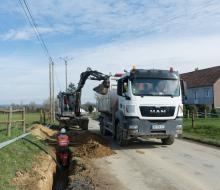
(107, 35)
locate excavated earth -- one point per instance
(81, 173)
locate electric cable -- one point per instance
(41, 148)
(30, 18)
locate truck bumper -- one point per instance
(155, 129)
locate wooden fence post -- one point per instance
(193, 119)
(205, 114)
(9, 121)
(44, 117)
(188, 114)
(23, 120)
(41, 116)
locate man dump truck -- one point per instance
(142, 103)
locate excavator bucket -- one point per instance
(102, 88)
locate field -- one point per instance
(205, 130)
(12, 156)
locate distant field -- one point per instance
(206, 130)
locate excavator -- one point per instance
(69, 102)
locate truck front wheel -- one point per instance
(168, 141)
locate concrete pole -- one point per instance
(53, 99)
(50, 94)
(66, 74)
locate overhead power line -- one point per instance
(25, 7)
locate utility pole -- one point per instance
(53, 99)
(66, 73)
(50, 92)
(66, 59)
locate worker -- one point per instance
(63, 152)
(139, 88)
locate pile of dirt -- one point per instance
(92, 146)
(41, 131)
(40, 177)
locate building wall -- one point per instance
(200, 95)
(217, 94)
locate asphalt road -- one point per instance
(151, 165)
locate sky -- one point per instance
(106, 35)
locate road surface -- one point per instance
(149, 165)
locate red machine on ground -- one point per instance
(63, 152)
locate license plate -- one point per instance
(158, 126)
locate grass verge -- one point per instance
(205, 130)
(18, 156)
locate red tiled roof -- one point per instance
(204, 77)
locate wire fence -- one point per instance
(202, 119)
(9, 120)
(197, 114)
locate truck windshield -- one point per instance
(155, 87)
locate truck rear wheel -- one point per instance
(168, 141)
(101, 124)
(84, 124)
(103, 130)
(120, 136)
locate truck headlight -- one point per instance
(130, 108)
(180, 111)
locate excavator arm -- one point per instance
(91, 75)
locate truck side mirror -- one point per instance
(183, 88)
(120, 87)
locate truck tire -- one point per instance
(84, 124)
(103, 131)
(168, 141)
(120, 136)
(101, 124)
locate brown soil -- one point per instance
(40, 177)
(83, 174)
(91, 146)
(42, 132)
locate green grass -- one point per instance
(205, 130)
(19, 155)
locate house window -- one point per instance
(195, 95)
(207, 92)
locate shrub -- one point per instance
(214, 113)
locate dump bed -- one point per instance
(105, 103)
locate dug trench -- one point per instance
(80, 173)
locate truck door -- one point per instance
(122, 91)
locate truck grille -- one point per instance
(152, 111)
